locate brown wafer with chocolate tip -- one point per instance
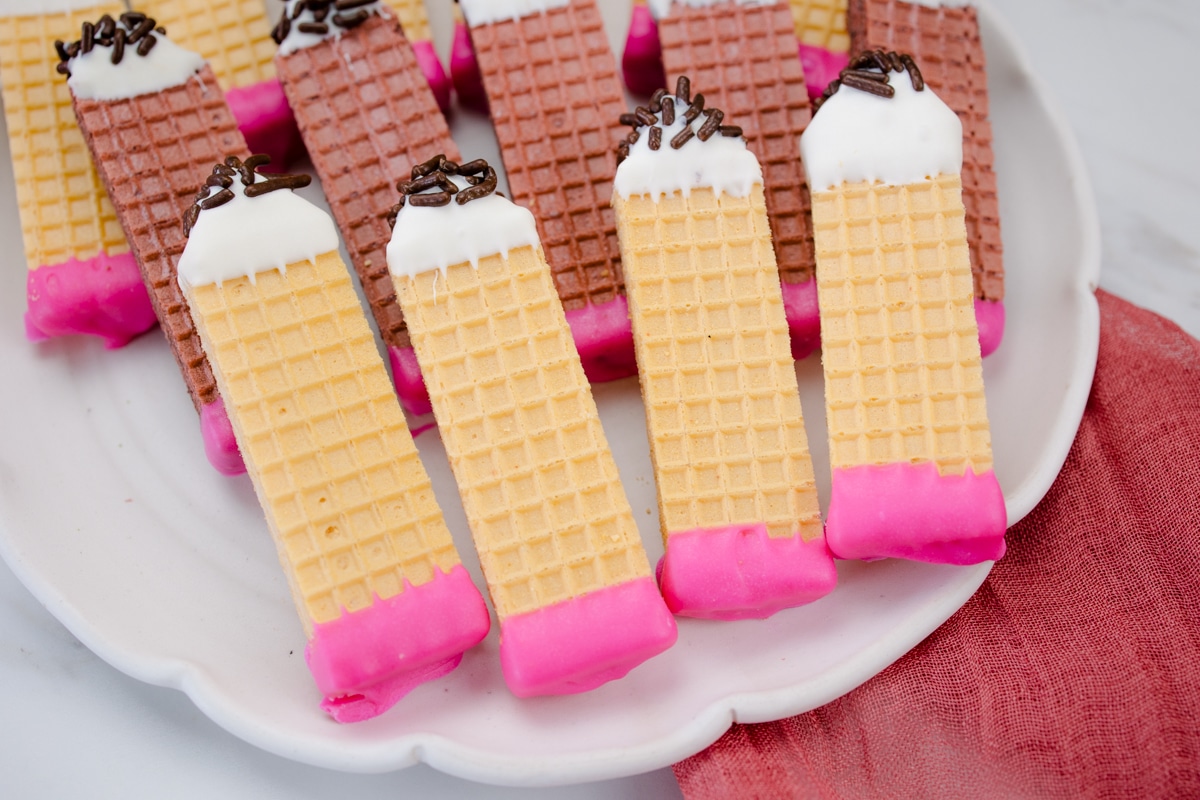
(765, 93)
(945, 43)
(152, 153)
(367, 115)
(556, 102)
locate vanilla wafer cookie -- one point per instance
(234, 37)
(81, 277)
(414, 20)
(736, 491)
(943, 36)
(385, 601)
(155, 120)
(555, 99)
(909, 440)
(367, 115)
(556, 538)
(744, 55)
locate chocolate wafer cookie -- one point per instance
(367, 116)
(155, 121)
(746, 59)
(944, 40)
(556, 101)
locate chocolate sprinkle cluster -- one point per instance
(431, 185)
(222, 178)
(342, 13)
(132, 29)
(661, 111)
(869, 72)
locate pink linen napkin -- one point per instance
(1074, 671)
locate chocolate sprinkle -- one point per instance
(870, 71)
(431, 186)
(222, 178)
(668, 111)
(662, 112)
(312, 27)
(655, 138)
(134, 32)
(118, 46)
(711, 125)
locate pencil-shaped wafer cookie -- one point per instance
(555, 99)
(234, 37)
(367, 116)
(82, 278)
(736, 493)
(556, 538)
(824, 41)
(414, 20)
(909, 440)
(385, 601)
(155, 120)
(943, 37)
(744, 55)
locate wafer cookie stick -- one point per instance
(234, 37)
(824, 41)
(736, 493)
(385, 602)
(555, 99)
(415, 21)
(155, 120)
(744, 54)
(909, 440)
(556, 538)
(367, 116)
(82, 278)
(943, 36)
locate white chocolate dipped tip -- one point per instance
(437, 237)
(249, 235)
(484, 12)
(722, 163)
(296, 39)
(94, 76)
(857, 136)
(662, 8)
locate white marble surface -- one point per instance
(74, 727)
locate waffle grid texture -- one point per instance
(538, 482)
(946, 45)
(714, 358)
(556, 101)
(65, 212)
(900, 348)
(350, 506)
(234, 36)
(367, 116)
(153, 153)
(821, 23)
(413, 17)
(764, 92)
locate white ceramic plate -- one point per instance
(113, 519)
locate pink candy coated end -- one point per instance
(604, 338)
(100, 296)
(585, 642)
(464, 71)
(365, 661)
(804, 324)
(409, 383)
(990, 317)
(435, 74)
(641, 63)
(265, 119)
(911, 511)
(739, 572)
(219, 443)
(821, 67)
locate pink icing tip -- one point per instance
(821, 67)
(266, 120)
(365, 661)
(582, 643)
(464, 71)
(604, 338)
(990, 317)
(739, 572)
(642, 63)
(409, 383)
(219, 443)
(910, 511)
(435, 73)
(800, 305)
(100, 296)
